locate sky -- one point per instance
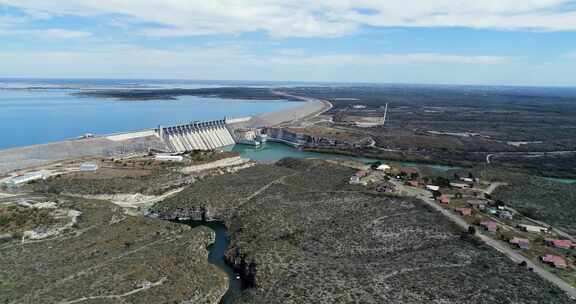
(492, 42)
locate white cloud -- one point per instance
(389, 59)
(305, 18)
(218, 62)
(17, 26)
(51, 34)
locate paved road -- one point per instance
(493, 187)
(489, 156)
(498, 245)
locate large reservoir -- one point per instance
(29, 117)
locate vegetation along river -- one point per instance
(216, 256)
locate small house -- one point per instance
(562, 244)
(520, 243)
(24, 179)
(88, 167)
(533, 228)
(490, 226)
(383, 167)
(357, 177)
(463, 211)
(432, 188)
(554, 261)
(467, 180)
(444, 199)
(413, 183)
(459, 185)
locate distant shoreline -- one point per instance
(172, 94)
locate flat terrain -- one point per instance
(314, 238)
(143, 175)
(460, 124)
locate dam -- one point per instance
(175, 138)
(206, 135)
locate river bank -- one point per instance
(271, 152)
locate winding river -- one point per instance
(216, 256)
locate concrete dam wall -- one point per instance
(207, 135)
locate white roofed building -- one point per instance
(24, 179)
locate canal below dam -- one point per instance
(271, 152)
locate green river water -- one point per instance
(271, 152)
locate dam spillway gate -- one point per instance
(206, 135)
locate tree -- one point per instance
(523, 264)
(442, 181)
(471, 230)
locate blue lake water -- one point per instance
(30, 117)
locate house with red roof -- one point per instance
(520, 243)
(563, 244)
(443, 199)
(554, 260)
(413, 183)
(489, 226)
(357, 177)
(463, 211)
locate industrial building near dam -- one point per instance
(208, 135)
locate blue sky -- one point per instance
(517, 42)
